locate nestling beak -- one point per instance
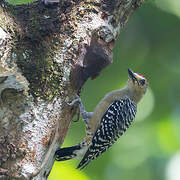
(132, 75)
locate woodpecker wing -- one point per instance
(119, 115)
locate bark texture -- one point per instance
(46, 55)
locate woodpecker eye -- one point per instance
(142, 82)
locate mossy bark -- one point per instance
(46, 55)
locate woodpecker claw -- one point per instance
(85, 115)
(77, 100)
(73, 102)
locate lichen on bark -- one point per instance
(46, 55)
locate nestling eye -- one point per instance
(142, 82)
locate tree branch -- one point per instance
(46, 55)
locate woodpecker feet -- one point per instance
(85, 115)
(77, 100)
(77, 112)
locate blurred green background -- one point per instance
(150, 149)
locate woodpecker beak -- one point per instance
(132, 76)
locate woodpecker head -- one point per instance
(137, 85)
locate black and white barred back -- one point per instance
(118, 117)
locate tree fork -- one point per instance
(46, 55)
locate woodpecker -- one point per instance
(110, 119)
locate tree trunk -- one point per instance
(46, 55)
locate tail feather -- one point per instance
(67, 153)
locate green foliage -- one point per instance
(17, 2)
(66, 171)
(168, 140)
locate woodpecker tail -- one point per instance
(67, 153)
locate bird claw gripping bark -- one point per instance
(85, 115)
(77, 100)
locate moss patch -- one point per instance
(36, 33)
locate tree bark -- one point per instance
(46, 55)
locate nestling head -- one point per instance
(137, 84)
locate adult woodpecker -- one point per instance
(110, 119)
